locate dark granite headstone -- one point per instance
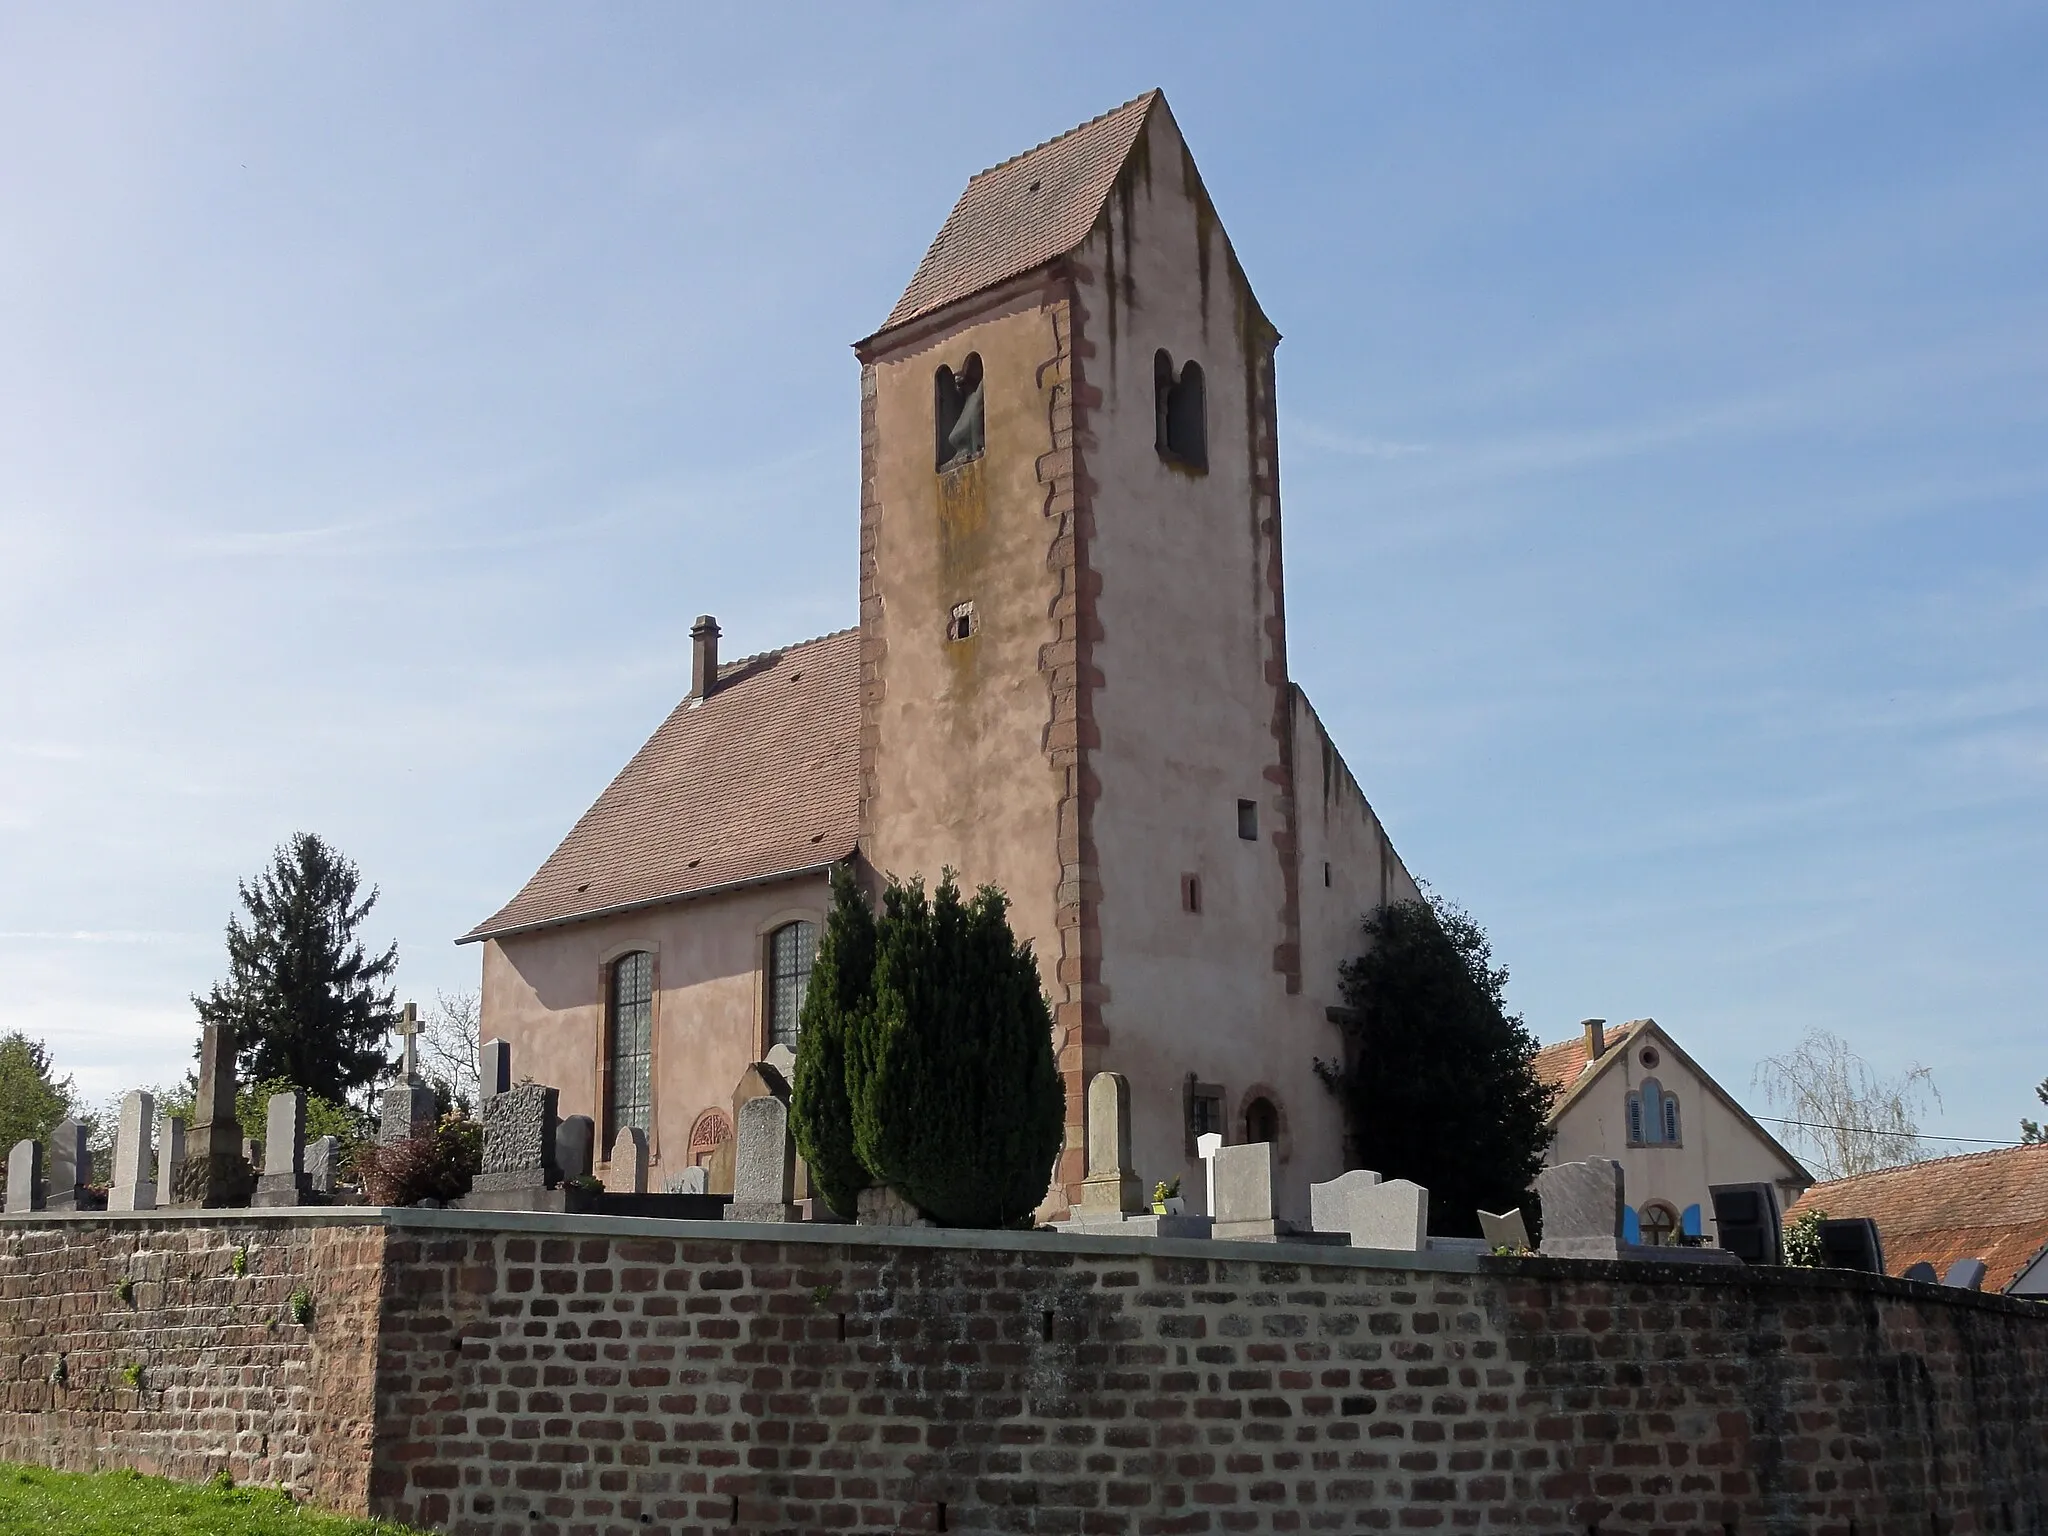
(1851, 1242)
(521, 1127)
(70, 1168)
(494, 1064)
(1922, 1272)
(1965, 1275)
(576, 1147)
(1747, 1222)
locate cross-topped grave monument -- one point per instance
(407, 1107)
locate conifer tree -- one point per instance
(956, 1098)
(308, 1004)
(821, 1111)
(1441, 1085)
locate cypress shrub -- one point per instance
(956, 1099)
(821, 1112)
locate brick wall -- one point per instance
(586, 1375)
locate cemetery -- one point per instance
(540, 1355)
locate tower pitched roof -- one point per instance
(758, 781)
(1027, 211)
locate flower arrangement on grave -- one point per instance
(1166, 1197)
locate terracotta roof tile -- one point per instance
(760, 779)
(1024, 212)
(1985, 1205)
(1560, 1064)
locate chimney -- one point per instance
(703, 657)
(1596, 1039)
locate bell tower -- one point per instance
(1073, 638)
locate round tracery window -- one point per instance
(1650, 1058)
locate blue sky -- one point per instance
(1664, 442)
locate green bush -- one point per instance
(842, 977)
(1802, 1241)
(934, 1075)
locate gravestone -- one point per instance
(25, 1177)
(764, 1163)
(1582, 1209)
(522, 1139)
(134, 1183)
(406, 1108)
(1965, 1275)
(575, 1143)
(1111, 1187)
(494, 1064)
(284, 1151)
(1242, 1178)
(1507, 1230)
(768, 1076)
(1207, 1145)
(323, 1153)
(626, 1172)
(688, 1182)
(70, 1168)
(170, 1156)
(1922, 1272)
(1851, 1242)
(1747, 1222)
(1372, 1214)
(216, 1172)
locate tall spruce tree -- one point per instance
(821, 1110)
(308, 1004)
(1440, 1084)
(956, 1098)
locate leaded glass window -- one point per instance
(791, 949)
(629, 1088)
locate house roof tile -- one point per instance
(1025, 212)
(761, 779)
(1983, 1205)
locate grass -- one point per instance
(33, 1500)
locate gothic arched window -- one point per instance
(791, 948)
(1181, 410)
(957, 413)
(629, 1044)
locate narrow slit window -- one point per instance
(1191, 893)
(1180, 409)
(1326, 874)
(1248, 820)
(957, 413)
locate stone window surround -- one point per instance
(764, 964)
(1192, 1090)
(1283, 1146)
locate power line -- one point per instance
(1869, 1130)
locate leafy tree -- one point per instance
(32, 1097)
(1440, 1084)
(842, 979)
(309, 1005)
(946, 1076)
(2030, 1130)
(324, 1117)
(1841, 1115)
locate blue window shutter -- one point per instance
(1631, 1225)
(1689, 1222)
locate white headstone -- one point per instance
(627, 1173)
(134, 1185)
(1243, 1181)
(170, 1157)
(1207, 1146)
(1582, 1209)
(764, 1163)
(1372, 1214)
(284, 1134)
(322, 1154)
(1111, 1187)
(25, 1176)
(1507, 1230)
(688, 1182)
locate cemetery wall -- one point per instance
(556, 1374)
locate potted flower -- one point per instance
(1166, 1199)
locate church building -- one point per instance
(1069, 678)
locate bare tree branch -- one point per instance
(1847, 1119)
(450, 1040)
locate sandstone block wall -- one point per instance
(585, 1376)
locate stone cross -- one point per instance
(764, 1164)
(626, 1174)
(1243, 1178)
(494, 1067)
(1372, 1214)
(134, 1185)
(322, 1153)
(522, 1139)
(284, 1151)
(70, 1166)
(215, 1171)
(1112, 1187)
(25, 1177)
(409, 1034)
(575, 1146)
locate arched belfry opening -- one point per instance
(1181, 411)
(957, 413)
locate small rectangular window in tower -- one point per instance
(960, 623)
(1248, 820)
(1191, 893)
